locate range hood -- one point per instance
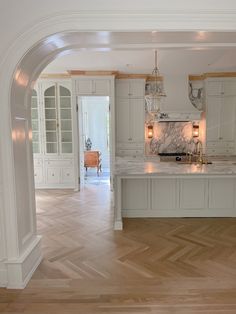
(177, 106)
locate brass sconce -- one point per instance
(195, 130)
(150, 131)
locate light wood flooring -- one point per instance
(153, 266)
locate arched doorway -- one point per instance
(23, 63)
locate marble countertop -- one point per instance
(145, 166)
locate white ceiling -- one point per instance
(178, 52)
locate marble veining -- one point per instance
(172, 137)
(135, 166)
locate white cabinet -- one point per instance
(130, 88)
(220, 117)
(51, 114)
(92, 86)
(219, 87)
(130, 114)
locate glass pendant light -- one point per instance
(155, 96)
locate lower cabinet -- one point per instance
(199, 196)
(54, 173)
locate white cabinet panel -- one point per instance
(193, 193)
(130, 116)
(160, 199)
(102, 87)
(38, 175)
(221, 193)
(89, 86)
(53, 175)
(135, 194)
(130, 88)
(137, 120)
(122, 121)
(215, 88)
(220, 117)
(55, 129)
(67, 175)
(213, 118)
(227, 119)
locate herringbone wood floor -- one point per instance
(153, 266)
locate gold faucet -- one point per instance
(199, 152)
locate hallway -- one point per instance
(153, 266)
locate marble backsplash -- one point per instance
(171, 137)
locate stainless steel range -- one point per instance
(173, 156)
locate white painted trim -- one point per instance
(20, 270)
(3, 275)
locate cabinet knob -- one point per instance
(53, 174)
(220, 138)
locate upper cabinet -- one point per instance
(133, 88)
(130, 117)
(51, 114)
(57, 118)
(221, 87)
(220, 116)
(92, 86)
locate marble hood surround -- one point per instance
(177, 104)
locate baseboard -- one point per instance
(3, 278)
(20, 271)
(118, 225)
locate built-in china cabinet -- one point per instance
(130, 117)
(51, 113)
(220, 116)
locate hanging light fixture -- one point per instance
(156, 94)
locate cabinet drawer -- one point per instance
(131, 145)
(222, 144)
(53, 175)
(38, 175)
(67, 175)
(38, 162)
(59, 163)
(219, 151)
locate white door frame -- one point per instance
(76, 128)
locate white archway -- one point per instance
(20, 251)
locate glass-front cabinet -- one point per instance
(51, 114)
(58, 119)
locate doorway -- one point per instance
(95, 140)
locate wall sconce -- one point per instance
(195, 130)
(150, 131)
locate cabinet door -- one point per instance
(230, 88)
(215, 88)
(84, 86)
(50, 118)
(123, 120)
(136, 113)
(213, 118)
(136, 88)
(227, 119)
(65, 119)
(53, 175)
(101, 87)
(122, 89)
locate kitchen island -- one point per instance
(150, 188)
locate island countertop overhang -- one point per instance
(144, 167)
